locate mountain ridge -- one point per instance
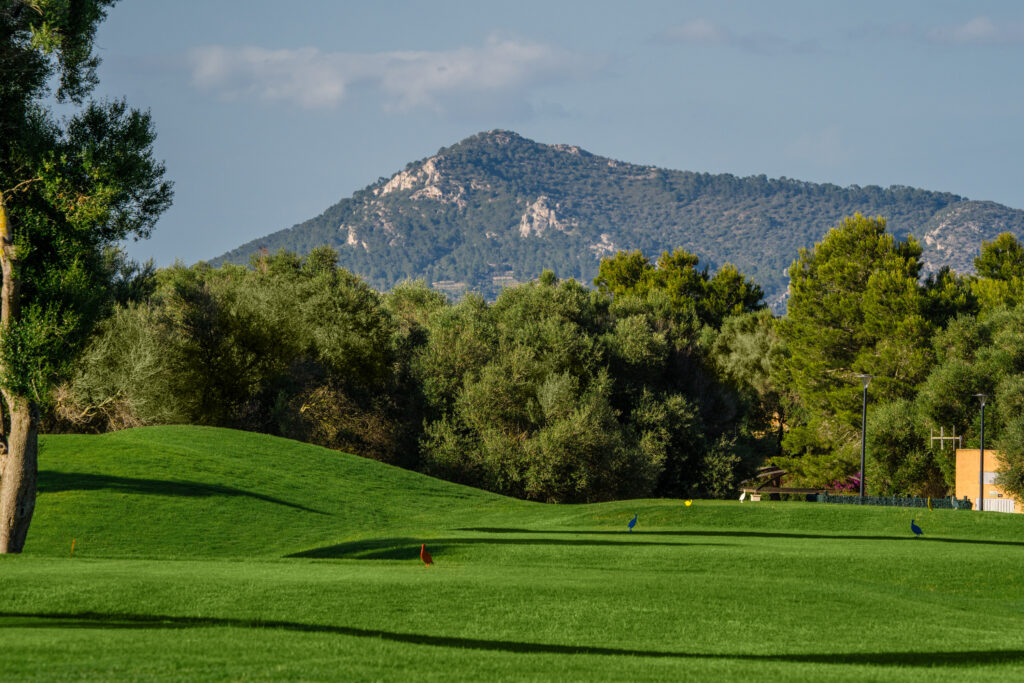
(497, 208)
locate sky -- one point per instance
(268, 112)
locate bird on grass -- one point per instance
(425, 556)
(688, 503)
(915, 528)
(632, 523)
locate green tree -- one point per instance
(902, 461)
(1000, 273)
(748, 353)
(730, 292)
(1001, 259)
(68, 191)
(691, 291)
(224, 339)
(855, 307)
(557, 393)
(123, 378)
(296, 347)
(983, 354)
(948, 295)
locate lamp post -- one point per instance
(866, 379)
(981, 455)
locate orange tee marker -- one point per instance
(425, 556)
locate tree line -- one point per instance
(665, 380)
(553, 392)
(858, 304)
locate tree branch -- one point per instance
(23, 185)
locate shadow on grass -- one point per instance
(744, 534)
(54, 482)
(409, 548)
(95, 620)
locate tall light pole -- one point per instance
(981, 455)
(866, 379)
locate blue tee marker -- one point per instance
(632, 523)
(915, 528)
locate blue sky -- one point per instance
(268, 112)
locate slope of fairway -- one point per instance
(207, 554)
(204, 492)
(192, 492)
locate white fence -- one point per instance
(997, 505)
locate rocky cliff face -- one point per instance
(497, 208)
(540, 218)
(954, 235)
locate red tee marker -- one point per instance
(425, 556)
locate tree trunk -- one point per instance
(19, 476)
(19, 462)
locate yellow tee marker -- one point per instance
(688, 503)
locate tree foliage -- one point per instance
(1000, 268)
(69, 191)
(1000, 259)
(855, 307)
(553, 392)
(557, 393)
(980, 355)
(231, 347)
(710, 298)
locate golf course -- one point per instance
(203, 553)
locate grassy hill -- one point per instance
(213, 554)
(496, 208)
(208, 492)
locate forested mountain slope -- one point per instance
(498, 208)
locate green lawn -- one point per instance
(205, 553)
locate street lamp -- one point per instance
(981, 455)
(866, 379)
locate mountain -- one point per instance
(498, 208)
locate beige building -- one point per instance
(995, 498)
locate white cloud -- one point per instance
(312, 78)
(979, 31)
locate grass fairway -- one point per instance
(212, 554)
